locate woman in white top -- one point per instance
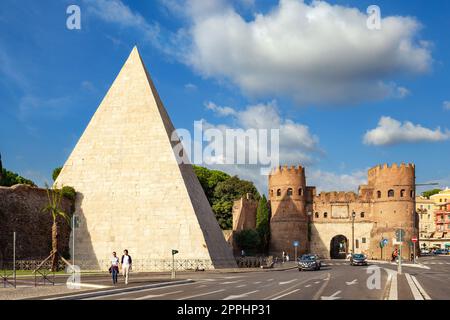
(114, 269)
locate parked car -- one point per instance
(358, 259)
(309, 262)
(424, 252)
(441, 251)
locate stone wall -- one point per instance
(244, 213)
(21, 211)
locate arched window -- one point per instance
(271, 193)
(316, 215)
(402, 193)
(300, 192)
(379, 194)
(325, 215)
(289, 192)
(391, 193)
(362, 214)
(279, 192)
(411, 194)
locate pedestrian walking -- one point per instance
(242, 253)
(114, 269)
(284, 256)
(126, 262)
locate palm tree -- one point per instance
(54, 208)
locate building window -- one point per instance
(379, 194)
(300, 192)
(316, 215)
(271, 193)
(325, 215)
(357, 243)
(289, 192)
(391, 193)
(362, 214)
(363, 240)
(279, 192)
(402, 194)
(412, 193)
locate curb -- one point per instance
(121, 290)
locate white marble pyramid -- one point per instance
(131, 192)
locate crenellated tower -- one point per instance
(288, 198)
(393, 206)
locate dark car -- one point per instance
(441, 251)
(358, 259)
(309, 262)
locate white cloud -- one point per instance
(329, 181)
(115, 11)
(391, 131)
(220, 111)
(190, 87)
(297, 143)
(446, 105)
(313, 52)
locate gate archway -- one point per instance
(339, 247)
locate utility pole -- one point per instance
(399, 271)
(14, 257)
(353, 232)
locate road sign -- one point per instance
(400, 235)
(414, 239)
(174, 252)
(296, 243)
(383, 242)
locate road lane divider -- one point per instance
(201, 294)
(238, 296)
(415, 292)
(421, 289)
(286, 294)
(114, 292)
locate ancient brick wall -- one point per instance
(21, 211)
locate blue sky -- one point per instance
(346, 97)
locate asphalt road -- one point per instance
(430, 280)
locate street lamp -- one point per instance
(353, 231)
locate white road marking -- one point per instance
(241, 286)
(119, 291)
(231, 282)
(257, 282)
(158, 295)
(244, 295)
(421, 289)
(270, 280)
(202, 286)
(287, 282)
(352, 282)
(317, 282)
(393, 289)
(307, 286)
(286, 294)
(334, 296)
(415, 292)
(202, 294)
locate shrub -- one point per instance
(69, 193)
(248, 240)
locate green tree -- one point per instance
(221, 190)
(262, 223)
(225, 193)
(247, 240)
(56, 173)
(429, 193)
(53, 207)
(209, 180)
(9, 179)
